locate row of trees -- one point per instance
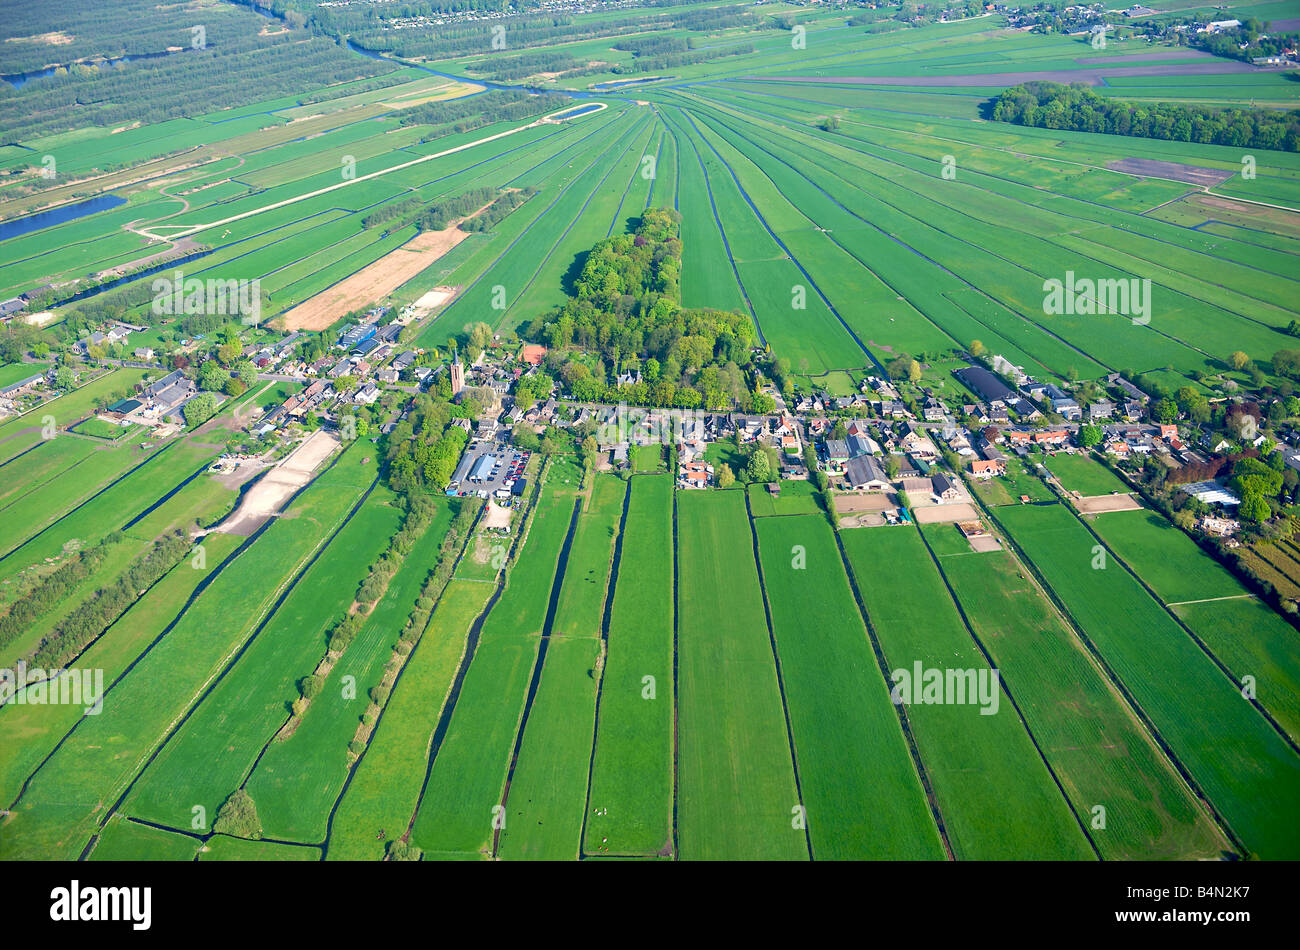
(90, 618)
(53, 587)
(1077, 108)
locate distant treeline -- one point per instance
(369, 25)
(230, 64)
(1076, 108)
(440, 215)
(474, 112)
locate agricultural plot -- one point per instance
(736, 785)
(1190, 703)
(629, 808)
(849, 744)
(1095, 744)
(61, 806)
(1084, 474)
(997, 796)
(460, 806)
(211, 754)
(298, 778)
(385, 788)
(1247, 636)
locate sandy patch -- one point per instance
(855, 504)
(942, 514)
(496, 516)
(265, 499)
(1096, 504)
(57, 38)
(435, 298)
(374, 281)
(985, 544)
(39, 319)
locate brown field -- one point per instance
(1150, 168)
(939, 514)
(1096, 504)
(1091, 76)
(856, 503)
(374, 281)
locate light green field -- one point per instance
(849, 744)
(629, 810)
(736, 779)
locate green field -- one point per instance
(849, 744)
(1084, 474)
(737, 805)
(997, 796)
(629, 808)
(1192, 705)
(1094, 743)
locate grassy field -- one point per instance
(212, 753)
(734, 804)
(1096, 746)
(997, 796)
(1193, 707)
(1245, 634)
(629, 809)
(849, 744)
(98, 760)
(796, 498)
(386, 786)
(1084, 474)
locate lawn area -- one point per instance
(648, 458)
(629, 810)
(735, 805)
(1007, 489)
(796, 498)
(849, 744)
(997, 797)
(1084, 474)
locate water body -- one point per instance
(60, 215)
(577, 111)
(18, 80)
(571, 93)
(624, 83)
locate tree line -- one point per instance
(1076, 108)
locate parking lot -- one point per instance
(476, 477)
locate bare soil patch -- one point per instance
(1191, 174)
(855, 504)
(265, 499)
(942, 514)
(1096, 504)
(374, 281)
